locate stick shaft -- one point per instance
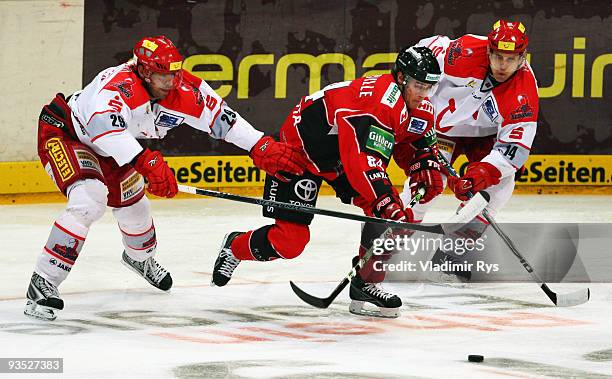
(575, 298)
(437, 229)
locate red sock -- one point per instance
(240, 247)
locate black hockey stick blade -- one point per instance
(567, 299)
(319, 302)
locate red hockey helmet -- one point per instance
(158, 54)
(508, 37)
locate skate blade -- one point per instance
(358, 308)
(144, 277)
(40, 311)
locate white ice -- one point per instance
(116, 325)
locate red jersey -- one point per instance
(351, 127)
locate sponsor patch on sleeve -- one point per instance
(417, 125)
(391, 96)
(380, 141)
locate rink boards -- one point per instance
(591, 173)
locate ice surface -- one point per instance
(116, 325)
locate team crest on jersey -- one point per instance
(125, 87)
(524, 110)
(168, 120)
(392, 94)
(417, 125)
(489, 108)
(454, 52)
(198, 95)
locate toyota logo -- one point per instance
(306, 189)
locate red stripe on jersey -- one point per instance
(68, 232)
(102, 112)
(215, 118)
(65, 260)
(516, 143)
(105, 133)
(432, 42)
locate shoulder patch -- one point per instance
(523, 110)
(391, 96)
(417, 125)
(380, 141)
(128, 86)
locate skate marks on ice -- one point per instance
(534, 368)
(273, 369)
(247, 336)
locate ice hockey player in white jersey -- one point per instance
(88, 144)
(486, 106)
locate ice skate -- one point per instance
(44, 300)
(387, 304)
(149, 269)
(226, 262)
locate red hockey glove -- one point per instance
(425, 172)
(477, 177)
(389, 206)
(277, 158)
(152, 166)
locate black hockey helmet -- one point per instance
(417, 62)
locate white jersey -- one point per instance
(112, 111)
(469, 104)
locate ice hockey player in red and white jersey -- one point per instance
(88, 144)
(348, 131)
(486, 107)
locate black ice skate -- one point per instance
(149, 269)
(457, 272)
(44, 300)
(362, 292)
(226, 262)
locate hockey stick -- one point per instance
(472, 211)
(325, 302)
(474, 206)
(560, 300)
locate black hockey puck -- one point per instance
(475, 358)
